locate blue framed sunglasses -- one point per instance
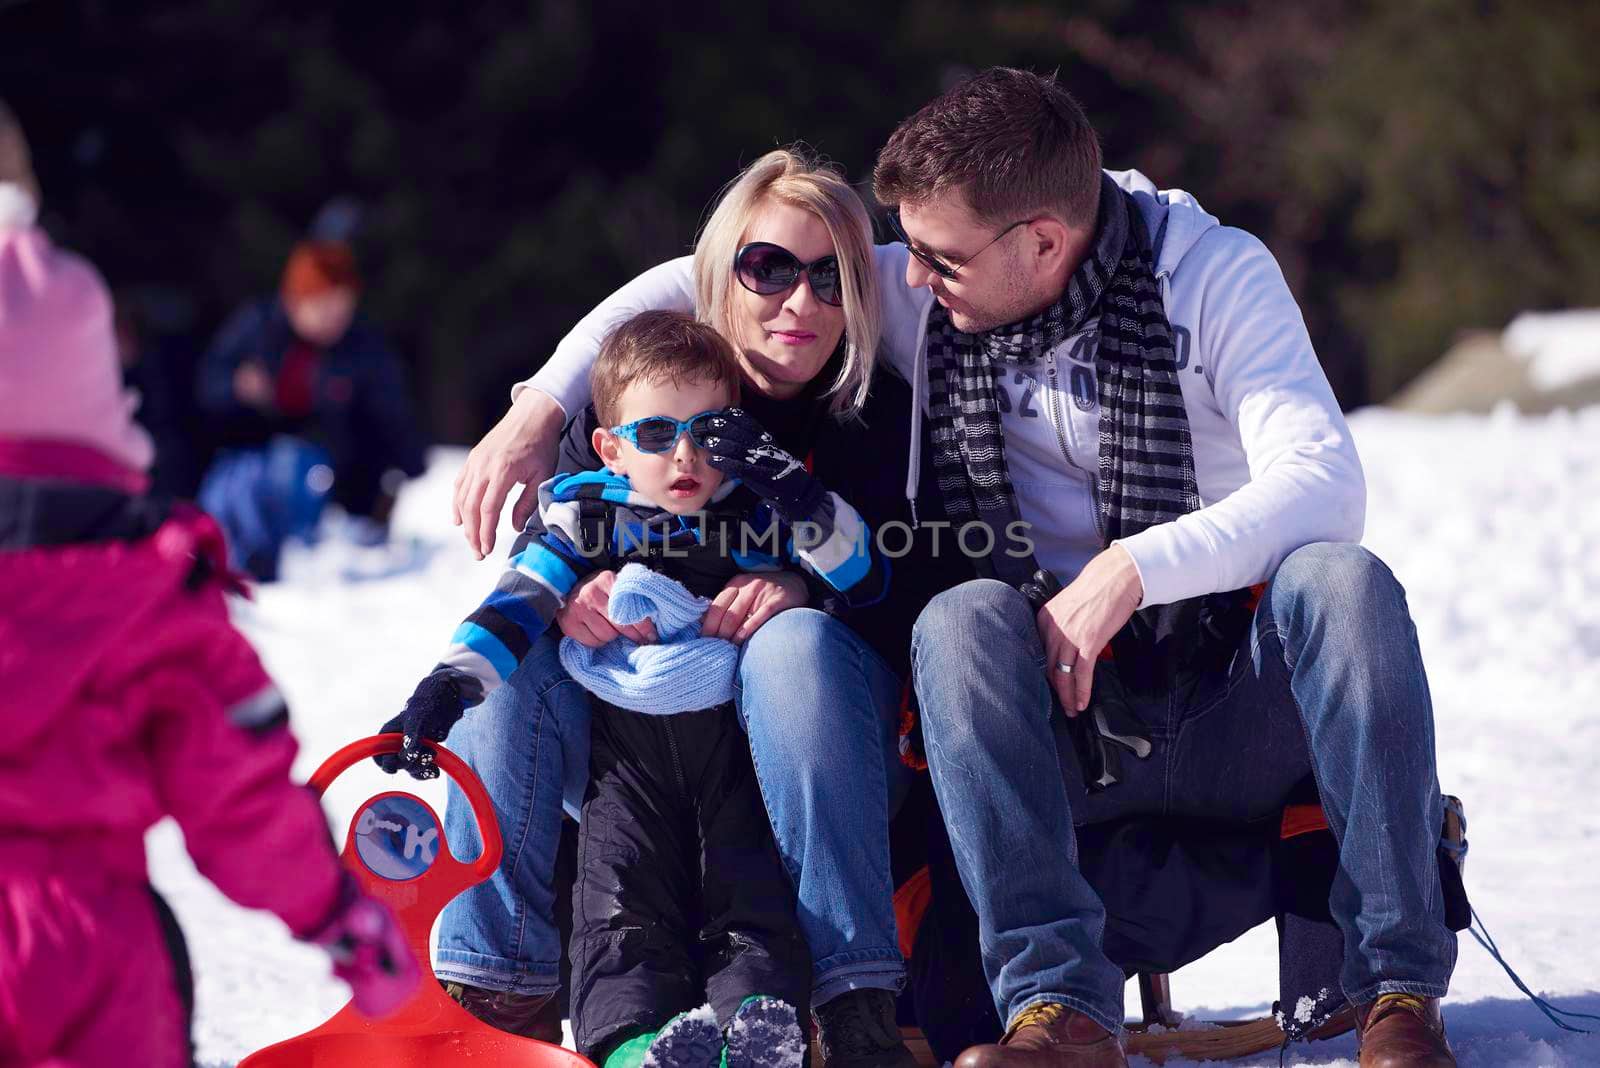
(659, 433)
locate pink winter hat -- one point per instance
(60, 380)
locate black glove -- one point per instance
(740, 448)
(433, 709)
(1040, 589)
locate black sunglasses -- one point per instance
(765, 268)
(934, 263)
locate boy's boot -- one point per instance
(529, 1015)
(1403, 1031)
(857, 1029)
(764, 1033)
(689, 1040)
(1049, 1036)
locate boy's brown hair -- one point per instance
(1013, 143)
(659, 346)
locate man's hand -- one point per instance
(749, 600)
(520, 448)
(584, 617)
(1077, 623)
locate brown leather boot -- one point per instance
(1049, 1036)
(529, 1015)
(1403, 1031)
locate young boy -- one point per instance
(682, 897)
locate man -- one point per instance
(1109, 365)
(1136, 383)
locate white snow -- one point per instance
(1493, 525)
(1561, 348)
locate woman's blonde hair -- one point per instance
(792, 176)
(15, 165)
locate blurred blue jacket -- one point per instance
(361, 408)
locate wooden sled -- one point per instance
(1164, 1033)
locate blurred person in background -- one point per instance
(298, 388)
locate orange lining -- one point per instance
(1302, 819)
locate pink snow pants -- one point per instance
(87, 979)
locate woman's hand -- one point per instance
(584, 617)
(520, 448)
(749, 600)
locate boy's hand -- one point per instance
(433, 709)
(584, 618)
(741, 448)
(749, 600)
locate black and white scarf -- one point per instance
(1146, 458)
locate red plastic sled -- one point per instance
(397, 850)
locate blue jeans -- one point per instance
(1329, 681)
(529, 743)
(821, 709)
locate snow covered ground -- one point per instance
(1493, 525)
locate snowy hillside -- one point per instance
(1492, 524)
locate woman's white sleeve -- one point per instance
(565, 376)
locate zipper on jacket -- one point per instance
(1057, 416)
(677, 760)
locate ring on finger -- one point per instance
(1064, 667)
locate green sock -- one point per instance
(631, 1053)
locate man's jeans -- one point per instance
(1328, 681)
(821, 709)
(529, 743)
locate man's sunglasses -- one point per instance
(659, 433)
(934, 263)
(765, 268)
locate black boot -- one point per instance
(529, 1015)
(857, 1029)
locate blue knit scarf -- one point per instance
(683, 672)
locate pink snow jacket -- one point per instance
(126, 695)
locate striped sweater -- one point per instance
(595, 521)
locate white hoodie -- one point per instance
(1273, 458)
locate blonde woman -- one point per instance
(784, 268)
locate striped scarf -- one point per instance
(1146, 461)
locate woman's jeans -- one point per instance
(822, 712)
(529, 743)
(1328, 681)
(821, 709)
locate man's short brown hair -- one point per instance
(659, 346)
(1011, 142)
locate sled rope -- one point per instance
(1553, 1012)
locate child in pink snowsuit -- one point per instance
(126, 696)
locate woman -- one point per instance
(812, 687)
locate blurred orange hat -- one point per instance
(317, 267)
